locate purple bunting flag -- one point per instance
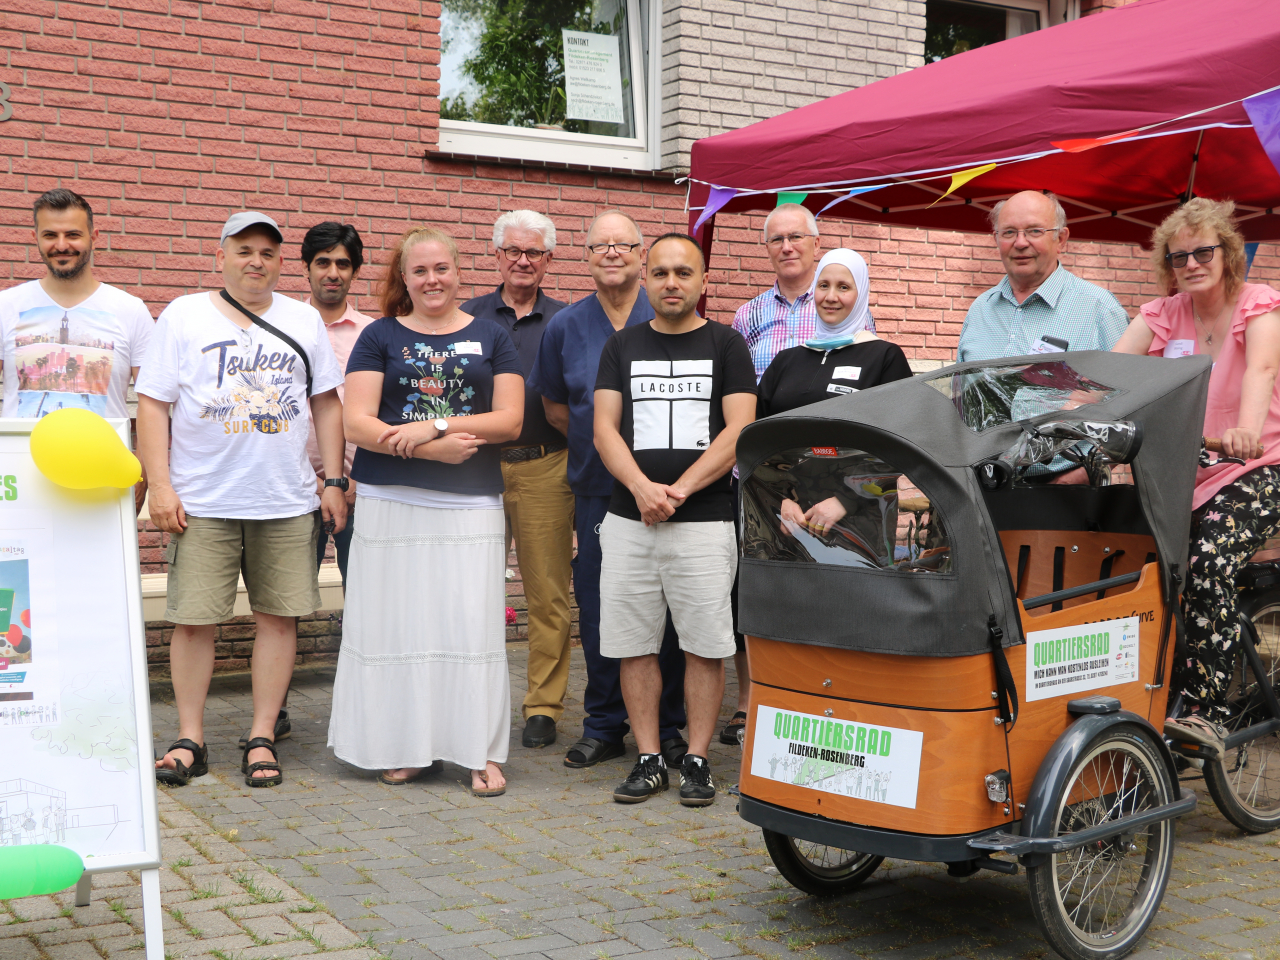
(1264, 112)
(718, 197)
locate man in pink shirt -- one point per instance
(333, 254)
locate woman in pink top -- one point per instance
(1199, 252)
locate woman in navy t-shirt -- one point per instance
(430, 394)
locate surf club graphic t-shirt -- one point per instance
(672, 388)
(80, 357)
(425, 377)
(241, 414)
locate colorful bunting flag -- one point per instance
(791, 198)
(1250, 250)
(1264, 113)
(852, 193)
(718, 197)
(1079, 146)
(958, 180)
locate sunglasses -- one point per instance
(1202, 254)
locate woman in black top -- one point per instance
(843, 357)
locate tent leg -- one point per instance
(152, 914)
(704, 238)
(84, 889)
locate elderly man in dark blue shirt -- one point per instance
(536, 498)
(565, 376)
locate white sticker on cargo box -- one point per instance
(1082, 657)
(844, 757)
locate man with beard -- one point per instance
(69, 340)
(671, 397)
(333, 254)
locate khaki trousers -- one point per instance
(539, 508)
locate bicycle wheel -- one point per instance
(1096, 902)
(1245, 784)
(816, 868)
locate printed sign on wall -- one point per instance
(592, 77)
(1082, 657)
(880, 764)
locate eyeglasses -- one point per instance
(1202, 254)
(618, 248)
(1031, 233)
(791, 238)
(515, 253)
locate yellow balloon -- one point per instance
(79, 449)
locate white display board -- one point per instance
(592, 77)
(76, 764)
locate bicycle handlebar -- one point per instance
(1214, 445)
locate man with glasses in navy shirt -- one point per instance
(565, 376)
(536, 497)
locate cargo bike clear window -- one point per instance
(839, 505)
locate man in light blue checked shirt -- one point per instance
(783, 316)
(1038, 307)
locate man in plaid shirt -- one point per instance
(783, 316)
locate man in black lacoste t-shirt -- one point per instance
(671, 397)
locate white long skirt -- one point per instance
(422, 672)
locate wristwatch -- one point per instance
(342, 482)
(441, 425)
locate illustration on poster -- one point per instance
(15, 610)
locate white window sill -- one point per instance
(464, 138)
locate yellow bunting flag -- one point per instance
(958, 180)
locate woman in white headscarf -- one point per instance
(842, 358)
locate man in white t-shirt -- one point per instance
(246, 372)
(69, 340)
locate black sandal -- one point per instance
(249, 769)
(729, 734)
(181, 774)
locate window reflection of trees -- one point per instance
(846, 507)
(513, 74)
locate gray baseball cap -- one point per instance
(242, 221)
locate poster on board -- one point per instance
(592, 77)
(75, 722)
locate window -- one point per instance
(553, 80)
(954, 26)
(842, 506)
(999, 394)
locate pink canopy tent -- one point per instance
(1161, 82)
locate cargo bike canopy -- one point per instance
(911, 562)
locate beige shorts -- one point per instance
(277, 558)
(687, 567)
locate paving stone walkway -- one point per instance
(336, 862)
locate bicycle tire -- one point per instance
(1245, 784)
(818, 870)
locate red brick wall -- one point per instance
(168, 114)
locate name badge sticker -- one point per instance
(1180, 348)
(473, 347)
(846, 373)
(840, 388)
(1045, 345)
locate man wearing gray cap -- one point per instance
(246, 371)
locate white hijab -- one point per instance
(860, 316)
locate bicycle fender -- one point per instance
(1038, 818)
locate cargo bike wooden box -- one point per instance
(970, 666)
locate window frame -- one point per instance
(642, 152)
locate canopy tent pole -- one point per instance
(704, 237)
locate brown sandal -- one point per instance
(435, 767)
(249, 769)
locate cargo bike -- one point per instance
(972, 666)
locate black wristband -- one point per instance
(342, 482)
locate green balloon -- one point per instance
(37, 869)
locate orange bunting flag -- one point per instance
(958, 180)
(1079, 146)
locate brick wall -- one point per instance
(728, 63)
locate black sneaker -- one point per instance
(647, 777)
(697, 789)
